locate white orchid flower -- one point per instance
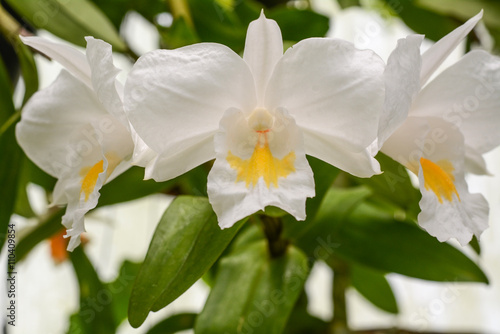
(76, 129)
(258, 116)
(440, 131)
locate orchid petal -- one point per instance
(402, 83)
(263, 49)
(436, 54)
(175, 99)
(100, 58)
(461, 218)
(360, 164)
(236, 192)
(474, 162)
(47, 126)
(408, 143)
(72, 59)
(336, 96)
(448, 210)
(466, 95)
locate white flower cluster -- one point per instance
(260, 114)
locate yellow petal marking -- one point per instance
(90, 179)
(439, 178)
(90, 174)
(262, 163)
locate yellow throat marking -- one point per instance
(90, 174)
(439, 178)
(262, 163)
(90, 179)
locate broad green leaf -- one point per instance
(254, 292)
(44, 230)
(28, 69)
(375, 239)
(474, 243)
(70, 20)
(194, 182)
(6, 90)
(186, 243)
(393, 185)
(298, 24)
(114, 295)
(22, 206)
(374, 287)
(38, 176)
(11, 154)
(96, 313)
(121, 288)
(249, 233)
(324, 176)
(129, 186)
(301, 322)
(337, 204)
(174, 324)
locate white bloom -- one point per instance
(76, 130)
(257, 116)
(440, 131)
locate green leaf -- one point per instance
(38, 176)
(22, 206)
(393, 185)
(11, 154)
(174, 324)
(324, 176)
(28, 69)
(129, 186)
(185, 244)
(373, 285)
(96, 313)
(298, 24)
(44, 230)
(121, 289)
(301, 322)
(113, 295)
(337, 204)
(262, 292)
(70, 20)
(375, 239)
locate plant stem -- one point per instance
(8, 25)
(273, 227)
(340, 284)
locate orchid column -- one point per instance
(257, 116)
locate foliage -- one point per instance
(367, 224)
